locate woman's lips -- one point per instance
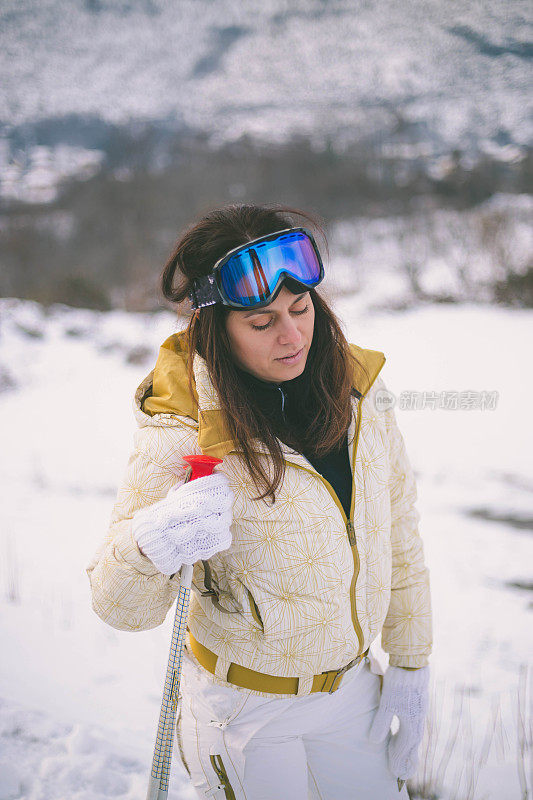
(292, 359)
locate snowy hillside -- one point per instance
(455, 74)
(79, 701)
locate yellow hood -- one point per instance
(166, 390)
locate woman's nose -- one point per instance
(289, 333)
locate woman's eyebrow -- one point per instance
(266, 311)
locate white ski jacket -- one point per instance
(302, 589)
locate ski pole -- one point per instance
(199, 466)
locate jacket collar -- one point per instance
(165, 391)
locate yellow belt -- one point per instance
(328, 681)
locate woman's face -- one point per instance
(272, 342)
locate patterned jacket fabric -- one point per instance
(302, 589)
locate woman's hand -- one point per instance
(405, 694)
(190, 524)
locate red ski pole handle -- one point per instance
(200, 466)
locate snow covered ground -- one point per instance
(79, 701)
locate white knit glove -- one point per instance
(405, 694)
(190, 524)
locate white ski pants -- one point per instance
(241, 746)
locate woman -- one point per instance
(305, 539)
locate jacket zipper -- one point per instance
(283, 398)
(348, 521)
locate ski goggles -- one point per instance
(251, 276)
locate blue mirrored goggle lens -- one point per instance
(252, 274)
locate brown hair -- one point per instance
(332, 367)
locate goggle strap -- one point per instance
(204, 292)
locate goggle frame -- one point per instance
(209, 289)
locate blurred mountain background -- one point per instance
(406, 126)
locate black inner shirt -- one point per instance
(287, 406)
